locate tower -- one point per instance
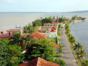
(54, 18)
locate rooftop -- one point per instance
(37, 35)
(39, 62)
(55, 44)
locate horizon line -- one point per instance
(45, 12)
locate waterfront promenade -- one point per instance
(67, 54)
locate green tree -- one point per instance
(82, 18)
(16, 39)
(47, 20)
(25, 30)
(61, 20)
(27, 41)
(72, 40)
(28, 29)
(37, 22)
(16, 55)
(67, 31)
(40, 48)
(60, 62)
(85, 63)
(74, 17)
(66, 26)
(4, 52)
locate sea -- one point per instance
(9, 20)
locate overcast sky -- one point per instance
(43, 5)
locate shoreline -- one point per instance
(77, 21)
(75, 39)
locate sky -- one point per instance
(43, 5)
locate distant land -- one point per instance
(84, 11)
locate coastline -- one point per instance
(76, 21)
(79, 63)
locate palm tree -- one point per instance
(84, 63)
(16, 38)
(72, 40)
(27, 41)
(82, 53)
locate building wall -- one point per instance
(51, 34)
(50, 24)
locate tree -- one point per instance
(25, 30)
(83, 18)
(40, 48)
(67, 31)
(74, 17)
(27, 41)
(60, 62)
(4, 52)
(72, 40)
(61, 20)
(16, 55)
(28, 29)
(85, 63)
(47, 20)
(16, 39)
(37, 22)
(66, 26)
(82, 53)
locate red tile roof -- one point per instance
(52, 30)
(39, 62)
(38, 35)
(55, 44)
(23, 36)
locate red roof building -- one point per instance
(52, 24)
(37, 35)
(52, 30)
(39, 62)
(9, 33)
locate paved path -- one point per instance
(68, 56)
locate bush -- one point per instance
(60, 62)
(60, 50)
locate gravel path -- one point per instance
(68, 56)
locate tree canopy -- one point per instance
(41, 48)
(4, 52)
(45, 20)
(28, 29)
(37, 22)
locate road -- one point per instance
(67, 54)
